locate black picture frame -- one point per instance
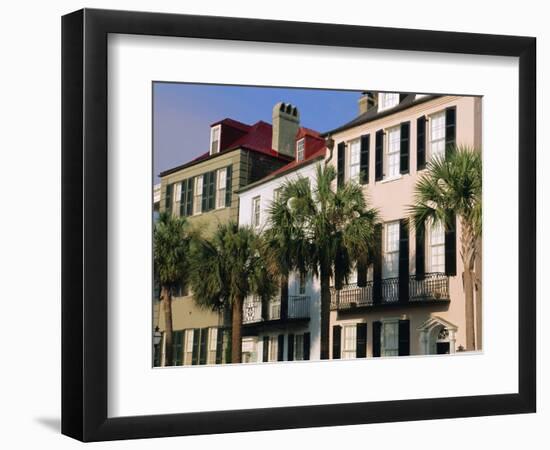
(84, 224)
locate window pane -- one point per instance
(355, 160)
(437, 134)
(390, 339)
(393, 149)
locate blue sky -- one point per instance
(182, 114)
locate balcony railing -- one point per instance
(433, 287)
(298, 308)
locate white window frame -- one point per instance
(440, 140)
(390, 253)
(349, 341)
(436, 247)
(300, 149)
(298, 347)
(197, 194)
(392, 155)
(221, 187)
(387, 100)
(256, 211)
(354, 167)
(277, 193)
(249, 348)
(188, 346)
(273, 349)
(385, 350)
(212, 345)
(216, 129)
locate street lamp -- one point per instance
(157, 336)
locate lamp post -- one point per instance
(157, 337)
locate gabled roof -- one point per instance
(232, 123)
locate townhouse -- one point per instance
(411, 299)
(279, 331)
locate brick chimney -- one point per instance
(367, 101)
(286, 122)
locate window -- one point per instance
(302, 285)
(177, 193)
(197, 207)
(273, 348)
(221, 187)
(215, 139)
(212, 345)
(188, 356)
(350, 339)
(437, 135)
(277, 194)
(299, 347)
(177, 347)
(393, 150)
(352, 277)
(390, 338)
(387, 100)
(354, 160)
(437, 247)
(300, 146)
(391, 250)
(248, 350)
(256, 211)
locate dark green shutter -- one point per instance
(420, 252)
(168, 197)
(203, 351)
(362, 273)
(212, 191)
(365, 152)
(361, 341)
(219, 346)
(376, 338)
(265, 349)
(404, 338)
(182, 197)
(379, 156)
(450, 248)
(341, 161)
(228, 186)
(377, 266)
(281, 348)
(336, 341)
(405, 147)
(290, 349)
(195, 354)
(177, 347)
(421, 143)
(307, 344)
(450, 129)
(189, 199)
(404, 260)
(205, 180)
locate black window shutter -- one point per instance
(379, 156)
(421, 143)
(205, 185)
(377, 266)
(219, 346)
(365, 152)
(402, 97)
(404, 338)
(195, 354)
(212, 194)
(182, 197)
(420, 252)
(376, 332)
(405, 147)
(404, 260)
(228, 185)
(450, 129)
(290, 350)
(189, 201)
(265, 351)
(450, 248)
(307, 342)
(168, 197)
(281, 348)
(361, 341)
(361, 273)
(203, 349)
(336, 341)
(341, 161)
(177, 347)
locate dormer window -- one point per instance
(215, 139)
(387, 100)
(300, 148)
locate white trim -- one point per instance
(384, 96)
(298, 142)
(213, 129)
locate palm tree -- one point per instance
(171, 260)
(225, 269)
(332, 231)
(451, 188)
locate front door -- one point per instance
(443, 348)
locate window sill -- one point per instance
(389, 180)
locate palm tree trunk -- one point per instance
(468, 255)
(284, 296)
(166, 296)
(479, 292)
(236, 332)
(325, 312)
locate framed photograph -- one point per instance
(272, 225)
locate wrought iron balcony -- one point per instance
(298, 308)
(433, 287)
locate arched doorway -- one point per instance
(437, 336)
